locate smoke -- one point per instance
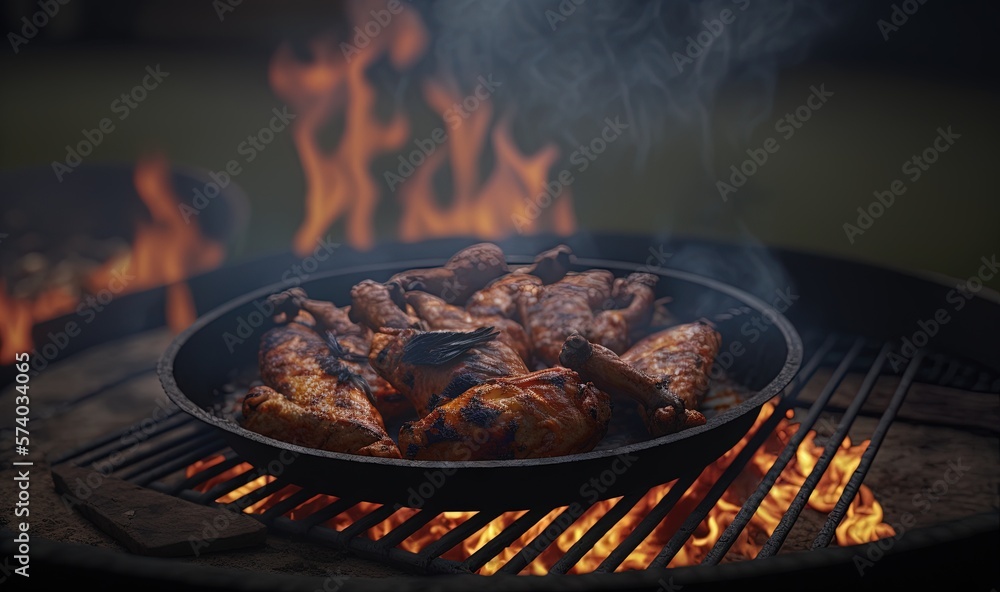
(658, 64)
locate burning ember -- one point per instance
(343, 183)
(862, 524)
(165, 251)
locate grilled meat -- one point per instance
(376, 305)
(312, 398)
(467, 271)
(432, 367)
(565, 308)
(348, 341)
(666, 373)
(634, 297)
(438, 315)
(508, 296)
(545, 413)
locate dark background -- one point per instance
(938, 70)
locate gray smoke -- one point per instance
(661, 64)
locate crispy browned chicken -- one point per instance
(565, 308)
(376, 305)
(667, 373)
(509, 295)
(310, 397)
(438, 315)
(545, 413)
(353, 341)
(432, 367)
(467, 271)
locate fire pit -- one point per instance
(804, 483)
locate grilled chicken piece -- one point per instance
(565, 308)
(508, 296)
(467, 271)
(666, 373)
(312, 398)
(432, 367)
(352, 341)
(634, 296)
(438, 315)
(376, 305)
(550, 412)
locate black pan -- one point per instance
(222, 345)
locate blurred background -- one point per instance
(162, 139)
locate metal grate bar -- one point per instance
(369, 520)
(851, 489)
(733, 470)
(777, 537)
(598, 530)
(175, 465)
(49, 412)
(90, 451)
(456, 535)
(266, 490)
(663, 507)
(229, 461)
(648, 524)
(286, 505)
(150, 459)
(500, 542)
(407, 528)
(541, 542)
(226, 486)
(333, 510)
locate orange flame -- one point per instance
(862, 524)
(165, 251)
(341, 184)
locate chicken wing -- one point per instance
(633, 297)
(550, 412)
(563, 309)
(432, 367)
(312, 398)
(376, 305)
(666, 373)
(508, 296)
(438, 315)
(467, 271)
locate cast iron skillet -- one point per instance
(767, 354)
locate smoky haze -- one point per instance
(659, 64)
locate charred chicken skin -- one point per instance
(509, 295)
(310, 397)
(666, 373)
(376, 305)
(432, 367)
(545, 413)
(438, 315)
(350, 342)
(467, 271)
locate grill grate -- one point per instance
(177, 441)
